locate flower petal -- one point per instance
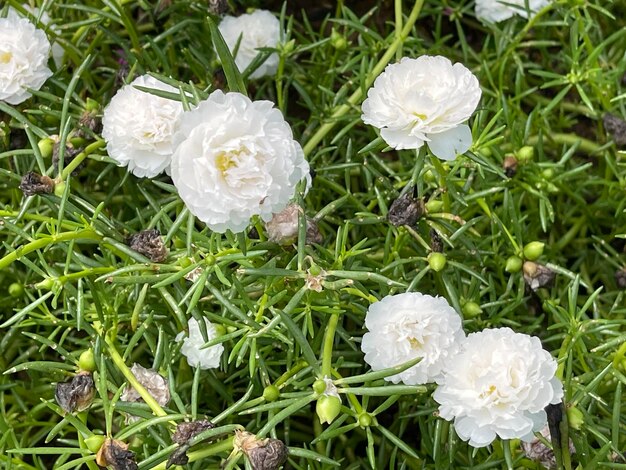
(447, 145)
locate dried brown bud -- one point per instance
(283, 228)
(510, 166)
(537, 275)
(538, 451)
(616, 127)
(89, 120)
(436, 243)
(263, 454)
(218, 7)
(76, 394)
(405, 210)
(186, 431)
(620, 278)
(149, 244)
(152, 381)
(33, 183)
(114, 454)
(70, 154)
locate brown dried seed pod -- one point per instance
(152, 381)
(406, 210)
(616, 127)
(33, 183)
(263, 454)
(436, 243)
(89, 120)
(620, 278)
(76, 394)
(115, 455)
(149, 244)
(218, 7)
(510, 166)
(537, 275)
(186, 431)
(70, 154)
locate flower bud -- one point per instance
(338, 41)
(537, 275)
(288, 47)
(16, 289)
(434, 206)
(59, 188)
(46, 284)
(437, 261)
(94, 442)
(525, 154)
(46, 147)
(319, 386)
(405, 210)
(271, 393)
(33, 183)
(513, 264)
(471, 310)
(86, 361)
(150, 244)
(263, 454)
(114, 455)
(327, 408)
(365, 420)
(76, 394)
(575, 418)
(533, 250)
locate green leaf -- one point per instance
(233, 76)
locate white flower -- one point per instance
(498, 384)
(406, 326)
(424, 100)
(139, 127)
(205, 358)
(499, 10)
(24, 52)
(236, 158)
(43, 17)
(257, 30)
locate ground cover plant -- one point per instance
(353, 234)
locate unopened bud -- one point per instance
(33, 183)
(437, 261)
(76, 394)
(86, 361)
(533, 250)
(471, 310)
(513, 264)
(59, 188)
(338, 41)
(149, 244)
(433, 206)
(46, 146)
(525, 154)
(327, 408)
(16, 289)
(94, 442)
(271, 393)
(575, 418)
(365, 420)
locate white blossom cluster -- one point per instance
(492, 383)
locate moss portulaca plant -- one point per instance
(494, 11)
(192, 349)
(424, 101)
(139, 127)
(24, 53)
(236, 158)
(498, 386)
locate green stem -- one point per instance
(44, 242)
(91, 148)
(329, 341)
(132, 380)
(81, 440)
(586, 145)
(369, 79)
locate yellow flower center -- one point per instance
(5, 57)
(423, 117)
(225, 161)
(490, 391)
(415, 343)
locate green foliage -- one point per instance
(69, 283)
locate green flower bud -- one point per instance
(434, 206)
(46, 146)
(338, 41)
(327, 408)
(471, 310)
(365, 420)
(92, 105)
(533, 250)
(289, 46)
(575, 418)
(209, 260)
(525, 154)
(548, 173)
(513, 265)
(486, 152)
(46, 284)
(16, 289)
(271, 393)
(59, 188)
(319, 386)
(94, 442)
(429, 176)
(86, 361)
(437, 261)
(184, 261)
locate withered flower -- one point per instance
(33, 183)
(620, 278)
(218, 7)
(76, 394)
(283, 228)
(537, 275)
(187, 431)
(405, 210)
(510, 166)
(115, 455)
(436, 243)
(152, 381)
(263, 454)
(616, 127)
(70, 154)
(149, 243)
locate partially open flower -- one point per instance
(494, 11)
(263, 454)
(498, 385)
(33, 183)
(193, 350)
(115, 455)
(152, 381)
(424, 100)
(235, 159)
(149, 243)
(407, 326)
(24, 52)
(76, 394)
(139, 127)
(257, 30)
